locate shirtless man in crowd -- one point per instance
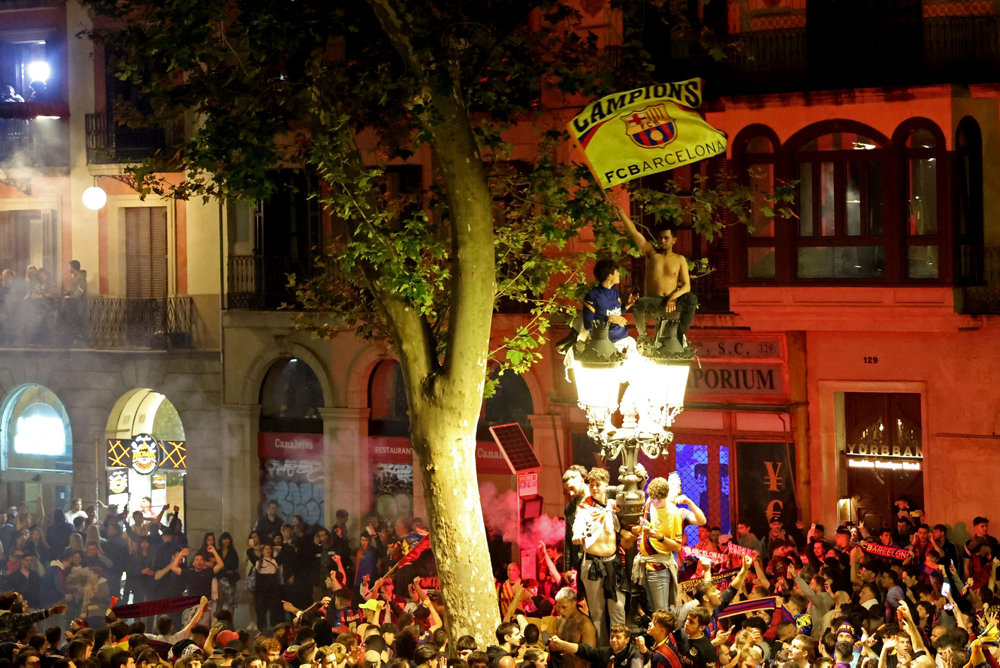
(595, 529)
(668, 283)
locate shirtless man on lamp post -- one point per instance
(668, 283)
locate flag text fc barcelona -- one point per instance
(643, 131)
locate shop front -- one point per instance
(146, 474)
(734, 443)
(146, 464)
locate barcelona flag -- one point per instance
(640, 132)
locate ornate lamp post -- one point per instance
(655, 380)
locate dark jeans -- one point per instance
(654, 308)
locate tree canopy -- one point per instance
(479, 91)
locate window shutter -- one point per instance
(146, 252)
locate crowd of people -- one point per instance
(618, 592)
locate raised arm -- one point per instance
(697, 515)
(640, 241)
(549, 564)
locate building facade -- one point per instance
(846, 352)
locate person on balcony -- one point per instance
(75, 303)
(8, 94)
(668, 282)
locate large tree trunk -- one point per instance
(446, 446)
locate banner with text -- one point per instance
(639, 132)
(284, 445)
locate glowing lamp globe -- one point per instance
(94, 198)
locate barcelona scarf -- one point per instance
(752, 605)
(714, 557)
(889, 552)
(161, 607)
(721, 580)
(977, 652)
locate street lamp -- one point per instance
(655, 380)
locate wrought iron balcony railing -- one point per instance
(99, 322)
(258, 282)
(981, 294)
(110, 142)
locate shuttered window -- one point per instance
(146, 252)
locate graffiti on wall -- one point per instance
(297, 486)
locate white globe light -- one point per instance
(94, 198)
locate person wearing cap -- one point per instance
(775, 535)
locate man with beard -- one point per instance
(576, 490)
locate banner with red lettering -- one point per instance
(714, 557)
(887, 551)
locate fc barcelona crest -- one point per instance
(651, 127)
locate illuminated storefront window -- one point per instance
(36, 432)
(146, 454)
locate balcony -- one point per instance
(34, 134)
(984, 298)
(259, 282)
(109, 142)
(100, 323)
(961, 49)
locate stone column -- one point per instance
(239, 498)
(347, 466)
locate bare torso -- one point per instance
(662, 271)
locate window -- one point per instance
(146, 252)
(840, 206)
(867, 209)
(922, 148)
(755, 148)
(36, 431)
(28, 237)
(968, 223)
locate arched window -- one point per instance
(921, 146)
(841, 169)
(969, 253)
(510, 403)
(290, 398)
(36, 432)
(755, 153)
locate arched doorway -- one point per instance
(146, 454)
(290, 443)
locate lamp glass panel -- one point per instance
(597, 387)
